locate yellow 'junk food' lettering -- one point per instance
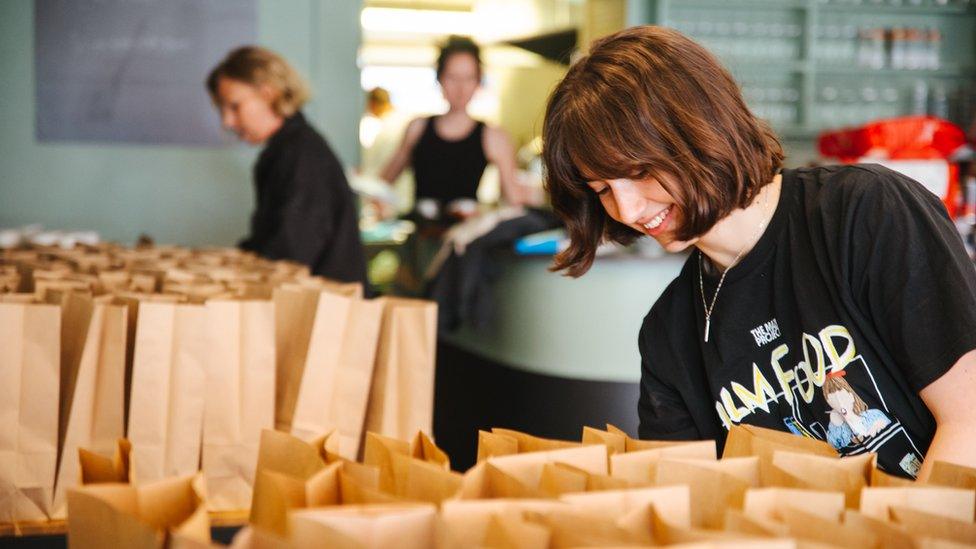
(784, 377)
(837, 361)
(761, 394)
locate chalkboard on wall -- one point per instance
(133, 71)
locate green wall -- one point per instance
(188, 196)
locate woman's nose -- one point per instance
(630, 206)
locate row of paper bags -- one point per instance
(770, 489)
(191, 380)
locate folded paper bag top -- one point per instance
(406, 526)
(122, 515)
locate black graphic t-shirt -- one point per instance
(858, 295)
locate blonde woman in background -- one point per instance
(305, 210)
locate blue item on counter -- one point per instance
(544, 243)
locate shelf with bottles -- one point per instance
(845, 102)
(743, 37)
(902, 7)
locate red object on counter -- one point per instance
(904, 138)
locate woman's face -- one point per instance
(644, 205)
(246, 110)
(459, 79)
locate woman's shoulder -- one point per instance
(856, 183)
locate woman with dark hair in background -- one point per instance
(449, 152)
(305, 210)
(831, 302)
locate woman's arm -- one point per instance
(501, 153)
(401, 158)
(950, 399)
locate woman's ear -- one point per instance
(268, 93)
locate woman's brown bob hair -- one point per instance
(258, 66)
(649, 102)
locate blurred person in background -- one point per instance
(449, 152)
(833, 302)
(380, 131)
(305, 210)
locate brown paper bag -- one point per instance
(639, 467)
(922, 524)
(673, 503)
(294, 317)
(509, 531)
(813, 527)
(529, 443)
(369, 527)
(880, 479)
(490, 444)
(636, 445)
(616, 443)
(527, 468)
(749, 440)
(572, 528)
(99, 469)
(29, 380)
(807, 471)
(407, 477)
(889, 535)
(466, 523)
(168, 390)
(485, 481)
(739, 522)
(768, 503)
(953, 503)
(92, 386)
(952, 475)
(157, 514)
(715, 485)
(401, 399)
(240, 397)
(423, 448)
(558, 479)
(335, 383)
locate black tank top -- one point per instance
(447, 170)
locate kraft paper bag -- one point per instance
(466, 523)
(294, 317)
(529, 443)
(639, 467)
(889, 535)
(741, 523)
(348, 289)
(923, 524)
(485, 481)
(509, 531)
(560, 478)
(165, 513)
(666, 533)
(169, 390)
(92, 386)
(636, 445)
(715, 485)
(880, 479)
(99, 469)
(338, 372)
(572, 528)
(240, 376)
(403, 525)
(673, 503)
(616, 443)
(423, 448)
(813, 527)
(408, 477)
(952, 503)
(807, 471)
(29, 381)
(952, 475)
(527, 468)
(768, 503)
(401, 400)
(749, 440)
(490, 444)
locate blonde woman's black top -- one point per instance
(305, 210)
(858, 295)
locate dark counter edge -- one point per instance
(473, 392)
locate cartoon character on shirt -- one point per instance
(851, 421)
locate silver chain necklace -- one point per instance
(735, 261)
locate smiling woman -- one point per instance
(834, 302)
(305, 209)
